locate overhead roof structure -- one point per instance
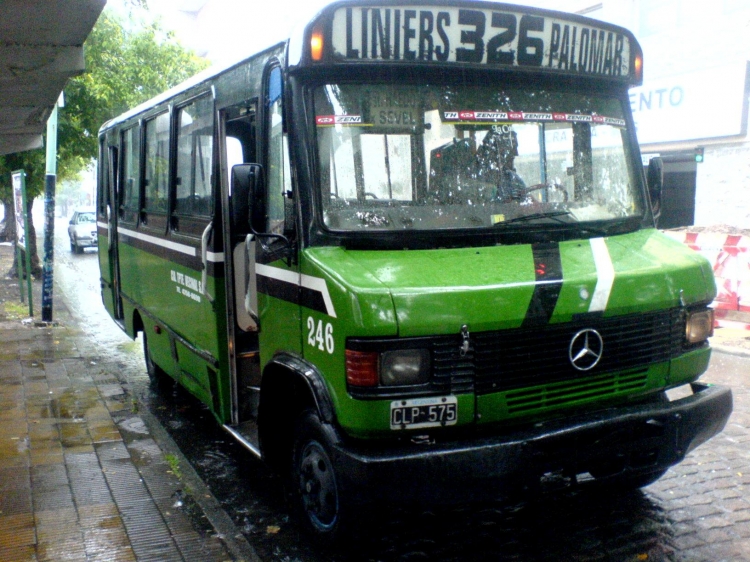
(41, 47)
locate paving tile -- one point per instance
(17, 531)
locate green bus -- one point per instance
(410, 255)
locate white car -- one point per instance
(82, 230)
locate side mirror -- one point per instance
(655, 180)
(246, 182)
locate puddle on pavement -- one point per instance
(133, 425)
(72, 403)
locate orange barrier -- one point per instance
(730, 256)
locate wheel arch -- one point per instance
(290, 385)
(137, 323)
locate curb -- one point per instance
(234, 540)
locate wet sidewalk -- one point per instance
(81, 475)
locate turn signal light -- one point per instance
(316, 45)
(361, 368)
(638, 63)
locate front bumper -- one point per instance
(630, 440)
(86, 241)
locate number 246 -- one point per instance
(320, 336)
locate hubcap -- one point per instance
(318, 486)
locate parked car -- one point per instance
(82, 230)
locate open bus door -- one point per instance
(259, 210)
(107, 228)
(237, 133)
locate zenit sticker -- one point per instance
(468, 116)
(331, 120)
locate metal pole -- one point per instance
(27, 239)
(49, 214)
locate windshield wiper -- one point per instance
(534, 216)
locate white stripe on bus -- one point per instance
(176, 246)
(301, 280)
(214, 257)
(605, 273)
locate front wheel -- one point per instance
(321, 507)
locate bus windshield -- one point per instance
(433, 157)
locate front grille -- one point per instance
(582, 389)
(501, 361)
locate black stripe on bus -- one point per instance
(549, 280)
(291, 292)
(180, 258)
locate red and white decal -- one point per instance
(468, 116)
(330, 120)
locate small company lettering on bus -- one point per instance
(479, 36)
(186, 285)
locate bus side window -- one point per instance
(278, 172)
(194, 158)
(129, 187)
(103, 181)
(157, 166)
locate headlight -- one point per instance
(404, 366)
(699, 326)
(387, 368)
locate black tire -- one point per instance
(72, 246)
(322, 511)
(155, 373)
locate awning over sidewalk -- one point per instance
(41, 46)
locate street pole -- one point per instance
(49, 213)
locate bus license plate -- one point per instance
(424, 412)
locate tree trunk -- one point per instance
(8, 231)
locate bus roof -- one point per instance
(205, 76)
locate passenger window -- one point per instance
(234, 152)
(130, 184)
(194, 158)
(157, 164)
(279, 176)
(103, 183)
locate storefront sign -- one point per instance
(708, 103)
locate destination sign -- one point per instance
(481, 36)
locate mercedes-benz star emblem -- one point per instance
(585, 349)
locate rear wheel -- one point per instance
(322, 509)
(155, 373)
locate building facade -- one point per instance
(692, 108)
